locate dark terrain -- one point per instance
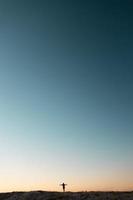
(41, 195)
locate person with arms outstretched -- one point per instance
(63, 186)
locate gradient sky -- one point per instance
(66, 94)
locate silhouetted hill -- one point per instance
(41, 195)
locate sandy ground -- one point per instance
(41, 195)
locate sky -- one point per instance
(66, 95)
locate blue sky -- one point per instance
(66, 96)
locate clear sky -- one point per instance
(66, 94)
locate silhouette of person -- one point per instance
(63, 186)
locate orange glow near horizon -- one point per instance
(73, 185)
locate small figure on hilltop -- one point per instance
(63, 186)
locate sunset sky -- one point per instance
(66, 94)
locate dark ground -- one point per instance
(41, 195)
